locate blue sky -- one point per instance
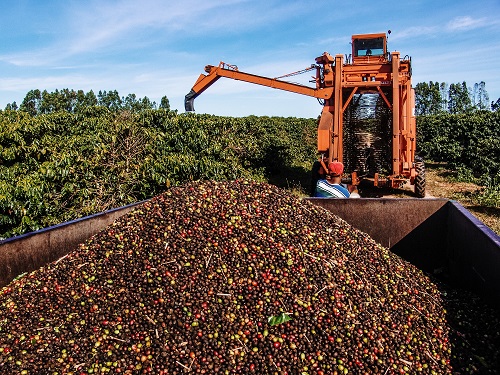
(154, 48)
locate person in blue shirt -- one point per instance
(331, 186)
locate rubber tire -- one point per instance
(420, 179)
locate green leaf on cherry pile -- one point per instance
(278, 319)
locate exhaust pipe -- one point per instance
(189, 101)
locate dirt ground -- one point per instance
(440, 185)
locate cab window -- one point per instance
(369, 47)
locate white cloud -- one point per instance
(103, 23)
(457, 24)
(414, 31)
(29, 58)
(45, 82)
(465, 23)
(97, 28)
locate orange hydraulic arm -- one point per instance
(230, 71)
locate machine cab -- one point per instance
(369, 48)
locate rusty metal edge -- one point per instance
(68, 223)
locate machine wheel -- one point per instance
(420, 179)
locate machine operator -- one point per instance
(331, 187)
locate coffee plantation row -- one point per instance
(463, 140)
(468, 144)
(61, 166)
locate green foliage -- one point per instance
(463, 140)
(490, 197)
(434, 98)
(37, 102)
(480, 96)
(68, 154)
(278, 319)
(61, 166)
(164, 103)
(428, 99)
(459, 98)
(469, 144)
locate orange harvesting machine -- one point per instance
(367, 121)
